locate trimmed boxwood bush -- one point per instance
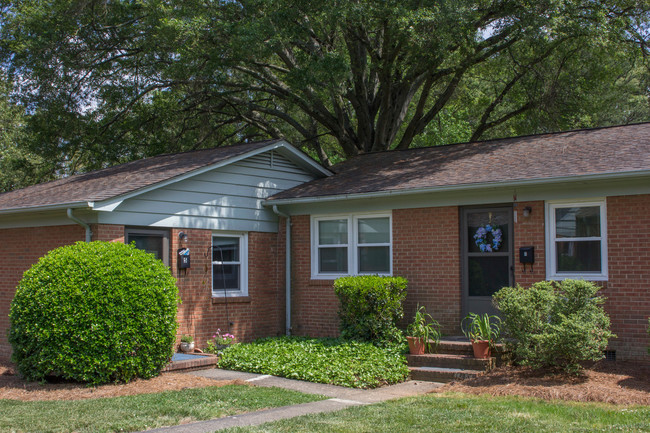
(94, 312)
(370, 307)
(555, 324)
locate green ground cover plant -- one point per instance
(370, 306)
(555, 324)
(322, 360)
(140, 412)
(94, 312)
(458, 413)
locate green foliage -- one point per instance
(326, 360)
(425, 327)
(187, 339)
(481, 327)
(94, 312)
(220, 342)
(555, 324)
(338, 77)
(19, 167)
(370, 306)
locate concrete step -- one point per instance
(463, 362)
(441, 374)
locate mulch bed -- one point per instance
(622, 383)
(14, 388)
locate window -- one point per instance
(229, 265)
(155, 242)
(351, 245)
(577, 240)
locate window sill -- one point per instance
(586, 277)
(231, 299)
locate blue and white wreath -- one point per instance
(488, 238)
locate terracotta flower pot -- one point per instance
(417, 345)
(481, 349)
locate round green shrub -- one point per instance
(555, 324)
(94, 312)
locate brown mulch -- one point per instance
(624, 383)
(14, 388)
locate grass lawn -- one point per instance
(450, 413)
(140, 412)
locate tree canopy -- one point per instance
(106, 82)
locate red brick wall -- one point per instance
(529, 231)
(21, 248)
(259, 314)
(426, 250)
(628, 286)
(313, 302)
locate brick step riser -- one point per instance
(460, 349)
(441, 376)
(449, 362)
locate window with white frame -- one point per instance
(229, 265)
(351, 245)
(577, 240)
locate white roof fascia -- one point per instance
(47, 207)
(460, 187)
(113, 202)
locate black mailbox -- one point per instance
(527, 255)
(183, 258)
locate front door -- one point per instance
(486, 249)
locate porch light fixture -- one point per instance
(182, 236)
(527, 211)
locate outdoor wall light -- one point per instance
(527, 211)
(182, 236)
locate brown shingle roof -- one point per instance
(121, 179)
(546, 156)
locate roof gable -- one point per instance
(111, 185)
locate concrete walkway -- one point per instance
(340, 398)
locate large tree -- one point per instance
(108, 81)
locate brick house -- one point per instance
(568, 205)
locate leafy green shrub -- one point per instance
(323, 360)
(94, 312)
(555, 324)
(370, 307)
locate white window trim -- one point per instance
(243, 265)
(551, 259)
(352, 245)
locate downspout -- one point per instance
(89, 233)
(287, 267)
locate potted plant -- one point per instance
(187, 343)
(483, 331)
(422, 331)
(220, 342)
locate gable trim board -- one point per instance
(282, 146)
